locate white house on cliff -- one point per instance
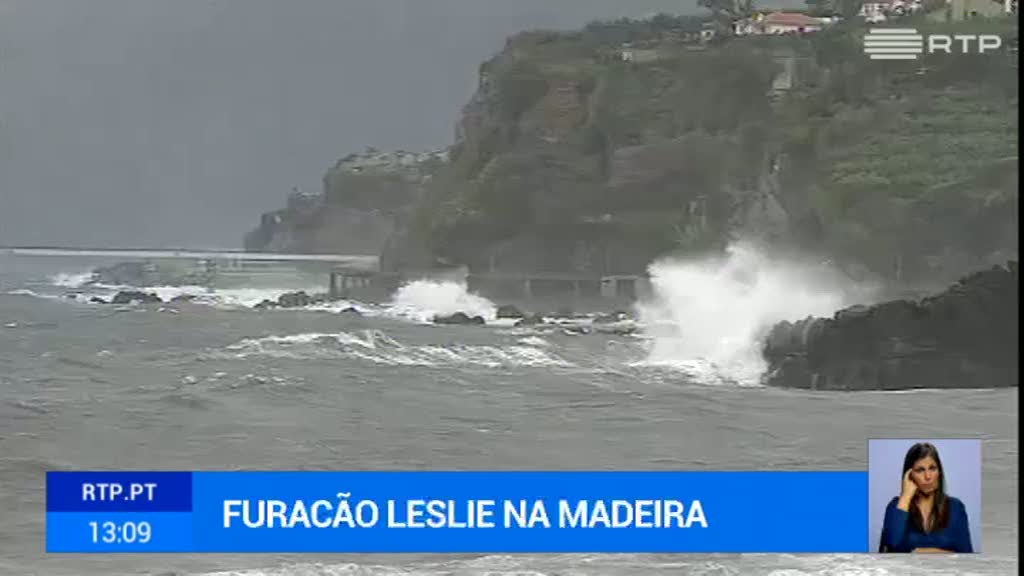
(779, 23)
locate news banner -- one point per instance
(455, 512)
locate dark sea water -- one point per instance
(220, 387)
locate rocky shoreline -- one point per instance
(963, 337)
(617, 322)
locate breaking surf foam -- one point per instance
(711, 315)
(377, 347)
(71, 279)
(423, 299)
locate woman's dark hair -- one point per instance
(939, 517)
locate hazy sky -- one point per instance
(177, 122)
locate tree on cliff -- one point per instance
(819, 7)
(729, 8)
(845, 8)
(724, 12)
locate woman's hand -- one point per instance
(931, 551)
(907, 493)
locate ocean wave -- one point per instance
(36, 406)
(534, 341)
(629, 564)
(71, 279)
(717, 311)
(32, 293)
(80, 284)
(376, 346)
(706, 320)
(422, 300)
(419, 301)
(699, 370)
(217, 297)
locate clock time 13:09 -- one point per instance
(121, 532)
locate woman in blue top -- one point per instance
(923, 518)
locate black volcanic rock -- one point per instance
(509, 311)
(613, 317)
(294, 300)
(129, 296)
(459, 318)
(964, 337)
(534, 320)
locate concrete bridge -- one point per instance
(358, 262)
(211, 268)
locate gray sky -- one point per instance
(177, 122)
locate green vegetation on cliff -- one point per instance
(601, 149)
(563, 132)
(908, 168)
(636, 138)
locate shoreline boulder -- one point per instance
(130, 296)
(613, 317)
(964, 337)
(294, 300)
(534, 320)
(508, 311)
(460, 318)
(350, 312)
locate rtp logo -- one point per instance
(908, 44)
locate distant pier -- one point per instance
(354, 261)
(345, 282)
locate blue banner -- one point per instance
(463, 512)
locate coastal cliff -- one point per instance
(596, 151)
(367, 198)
